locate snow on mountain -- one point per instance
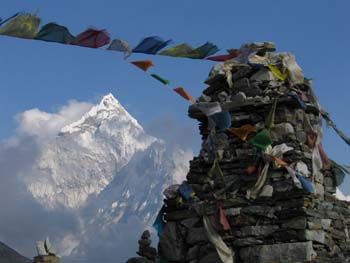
(129, 204)
(111, 174)
(86, 155)
(138, 187)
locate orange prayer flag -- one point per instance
(143, 64)
(183, 93)
(279, 161)
(243, 131)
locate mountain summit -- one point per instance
(87, 154)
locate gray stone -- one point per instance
(204, 98)
(295, 223)
(314, 235)
(208, 254)
(278, 253)
(233, 211)
(267, 191)
(190, 222)
(192, 253)
(281, 130)
(223, 96)
(171, 245)
(326, 223)
(258, 230)
(249, 241)
(263, 74)
(196, 235)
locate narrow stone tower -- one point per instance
(262, 188)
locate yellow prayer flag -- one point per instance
(22, 26)
(277, 73)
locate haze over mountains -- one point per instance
(96, 181)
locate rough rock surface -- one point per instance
(262, 188)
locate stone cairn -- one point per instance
(262, 188)
(46, 253)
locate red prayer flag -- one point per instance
(223, 220)
(92, 38)
(326, 162)
(232, 54)
(183, 93)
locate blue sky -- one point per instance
(44, 75)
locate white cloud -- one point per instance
(35, 122)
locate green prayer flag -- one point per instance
(186, 51)
(164, 81)
(203, 51)
(261, 140)
(270, 120)
(53, 32)
(22, 26)
(215, 170)
(177, 51)
(339, 172)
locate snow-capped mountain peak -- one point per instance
(87, 155)
(108, 108)
(109, 101)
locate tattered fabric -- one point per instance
(329, 122)
(223, 220)
(183, 93)
(176, 51)
(209, 108)
(255, 190)
(261, 140)
(301, 103)
(306, 184)
(185, 50)
(243, 131)
(222, 120)
(22, 26)
(159, 221)
(225, 253)
(339, 172)
(270, 120)
(277, 73)
(52, 32)
(92, 38)
(203, 51)
(8, 19)
(215, 171)
(143, 64)
(122, 46)
(159, 78)
(221, 58)
(151, 45)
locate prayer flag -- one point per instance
(52, 32)
(243, 131)
(23, 26)
(159, 78)
(92, 38)
(151, 45)
(122, 46)
(183, 93)
(143, 64)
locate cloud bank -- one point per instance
(23, 221)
